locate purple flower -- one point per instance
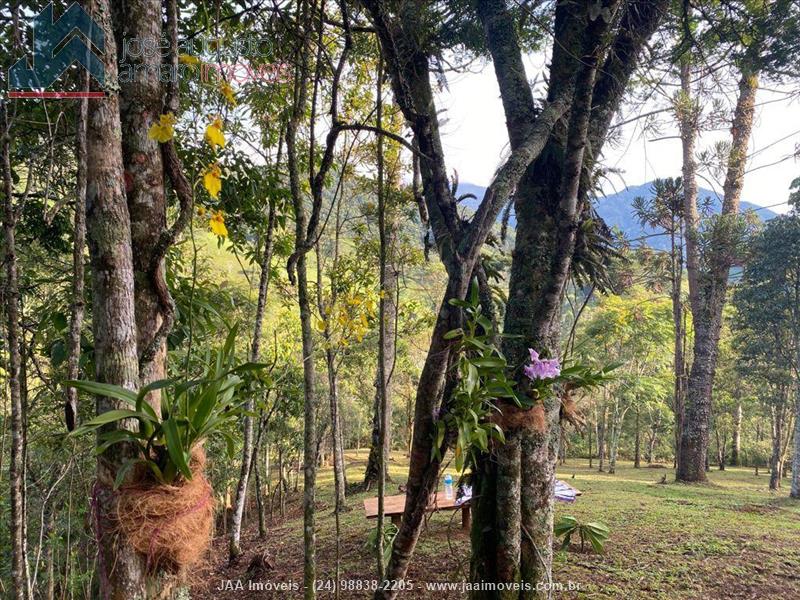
(542, 368)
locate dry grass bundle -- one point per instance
(170, 524)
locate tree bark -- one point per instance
(708, 287)
(601, 438)
(234, 545)
(736, 443)
(388, 226)
(78, 247)
(776, 462)
(637, 447)
(141, 103)
(337, 445)
(795, 491)
(108, 232)
(19, 560)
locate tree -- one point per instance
(553, 228)
(108, 233)
(768, 314)
(665, 212)
(19, 561)
(711, 251)
(633, 330)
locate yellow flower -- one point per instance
(188, 59)
(201, 211)
(217, 224)
(164, 129)
(214, 135)
(227, 91)
(320, 325)
(212, 180)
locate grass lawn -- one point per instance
(731, 538)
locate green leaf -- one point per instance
(115, 415)
(453, 334)
(123, 471)
(175, 447)
(103, 389)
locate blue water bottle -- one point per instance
(448, 486)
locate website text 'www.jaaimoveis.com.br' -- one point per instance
(356, 586)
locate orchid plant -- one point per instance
(482, 380)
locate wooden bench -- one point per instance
(393, 506)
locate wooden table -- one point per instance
(393, 506)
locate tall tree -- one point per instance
(664, 210)
(710, 254)
(11, 295)
(596, 50)
(310, 19)
(108, 233)
(768, 318)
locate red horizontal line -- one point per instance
(55, 95)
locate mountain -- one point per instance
(617, 209)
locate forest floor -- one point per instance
(731, 538)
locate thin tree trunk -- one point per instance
(234, 545)
(262, 525)
(679, 360)
(616, 431)
(601, 436)
(337, 445)
(737, 434)
(589, 433)
(777, 441)
(637, 463)
(19, 559)
(79, 246)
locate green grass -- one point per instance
(731, 538)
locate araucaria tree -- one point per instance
(760, 37)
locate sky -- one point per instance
(475, 140)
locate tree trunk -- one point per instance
(19, 559)
(651, 445)
(234, 546)
(601, 437)
(336, 431)
(795, 492)
(776, 461)
(707, 290)
(589, 433)
(387, 355)
(140, 104)
(382, 419)
(78, 247)
(637, 453)
(679, 360)
(616, 431)
(737, 434)
(108, 233)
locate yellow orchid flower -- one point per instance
(214, 136)
(164, 129)
(227, 91)
(188, 59)
(212, 180)
(217, 224)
